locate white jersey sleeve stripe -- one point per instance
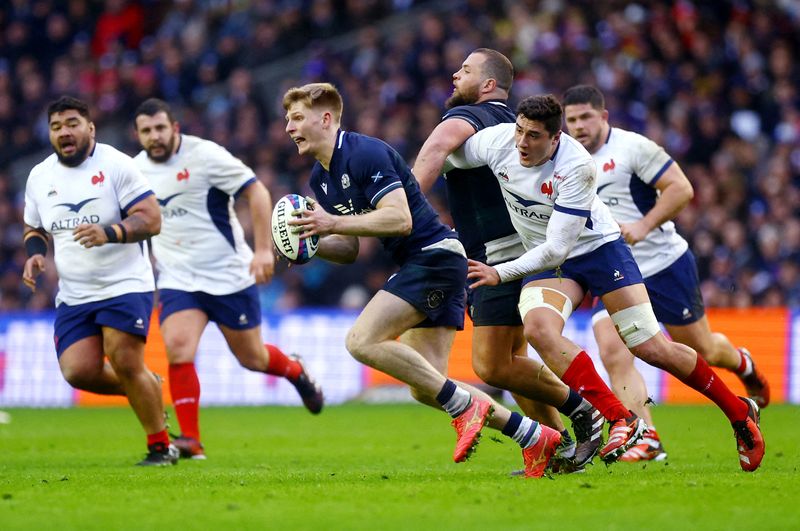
(242, 188)
(574, 211)
(136, 200)
(383, 191)
(660, 172)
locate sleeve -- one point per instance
(576, 190)
(31, 214)
(225, 171)
(464, 114)
(650, 161)
(473, 153)
(130, 185)
(376, 173)
(563, 231)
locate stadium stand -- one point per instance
(719, 87)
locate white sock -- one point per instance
(458, 402)
(528, 432)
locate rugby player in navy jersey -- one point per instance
(97, 206)
(499, 348)
(364, 188)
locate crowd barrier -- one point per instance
(30, 377)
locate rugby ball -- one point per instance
(291, 246)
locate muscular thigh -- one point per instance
(386, 316)
(181, 332)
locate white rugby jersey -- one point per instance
(565, 183)
(628, 166)
(59, 198)
(201, 246)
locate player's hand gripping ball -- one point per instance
(294, 247)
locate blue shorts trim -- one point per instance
(609, 267)
(239, 311)
(674, 293)
(128, 313)
(495, 305)
(434, 283)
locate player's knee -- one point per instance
(179, 349)
(358, 347)
(489, 371)
(79, 376)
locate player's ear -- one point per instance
(604, 114)
(91, 129)
(489, 84)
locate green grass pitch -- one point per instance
(380, 467)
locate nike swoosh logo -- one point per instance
(163, 202)
(526, 202)
(76, 207)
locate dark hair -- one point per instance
(544, 108)
(590, 94)
(153, 106)
(68, 103)
(497, 67)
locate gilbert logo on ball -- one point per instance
(291, 246)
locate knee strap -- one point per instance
(539, 297)
(636, 324)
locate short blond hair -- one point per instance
(316, 96)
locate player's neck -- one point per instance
(325, 153)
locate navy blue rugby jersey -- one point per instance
(363, 170)
(476, 202)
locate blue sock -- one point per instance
(453, 399)
(573, 402)
(513, 424)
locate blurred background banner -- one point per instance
(30, 377)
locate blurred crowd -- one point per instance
(716, 83)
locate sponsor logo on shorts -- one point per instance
(139, 323)
(686, 314)
(242, 319)
(618, 275)
(435, 298)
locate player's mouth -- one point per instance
(298, 140)
(68, 147)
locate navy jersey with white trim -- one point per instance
(476, 201)
(362, 171)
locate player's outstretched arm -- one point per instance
(260, 202)
(445, 138)
(563, 231)
(36, 248)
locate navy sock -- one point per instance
(447, 392)
(512, 425)
(572, 403)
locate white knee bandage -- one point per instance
(538, 297)
(636, 324)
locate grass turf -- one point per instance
(389, 467)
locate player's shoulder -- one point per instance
(106, 152)
(497, 136)
(625, 139)
(357, 147)
(570, 151)
(44, 167)
(481, 115)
